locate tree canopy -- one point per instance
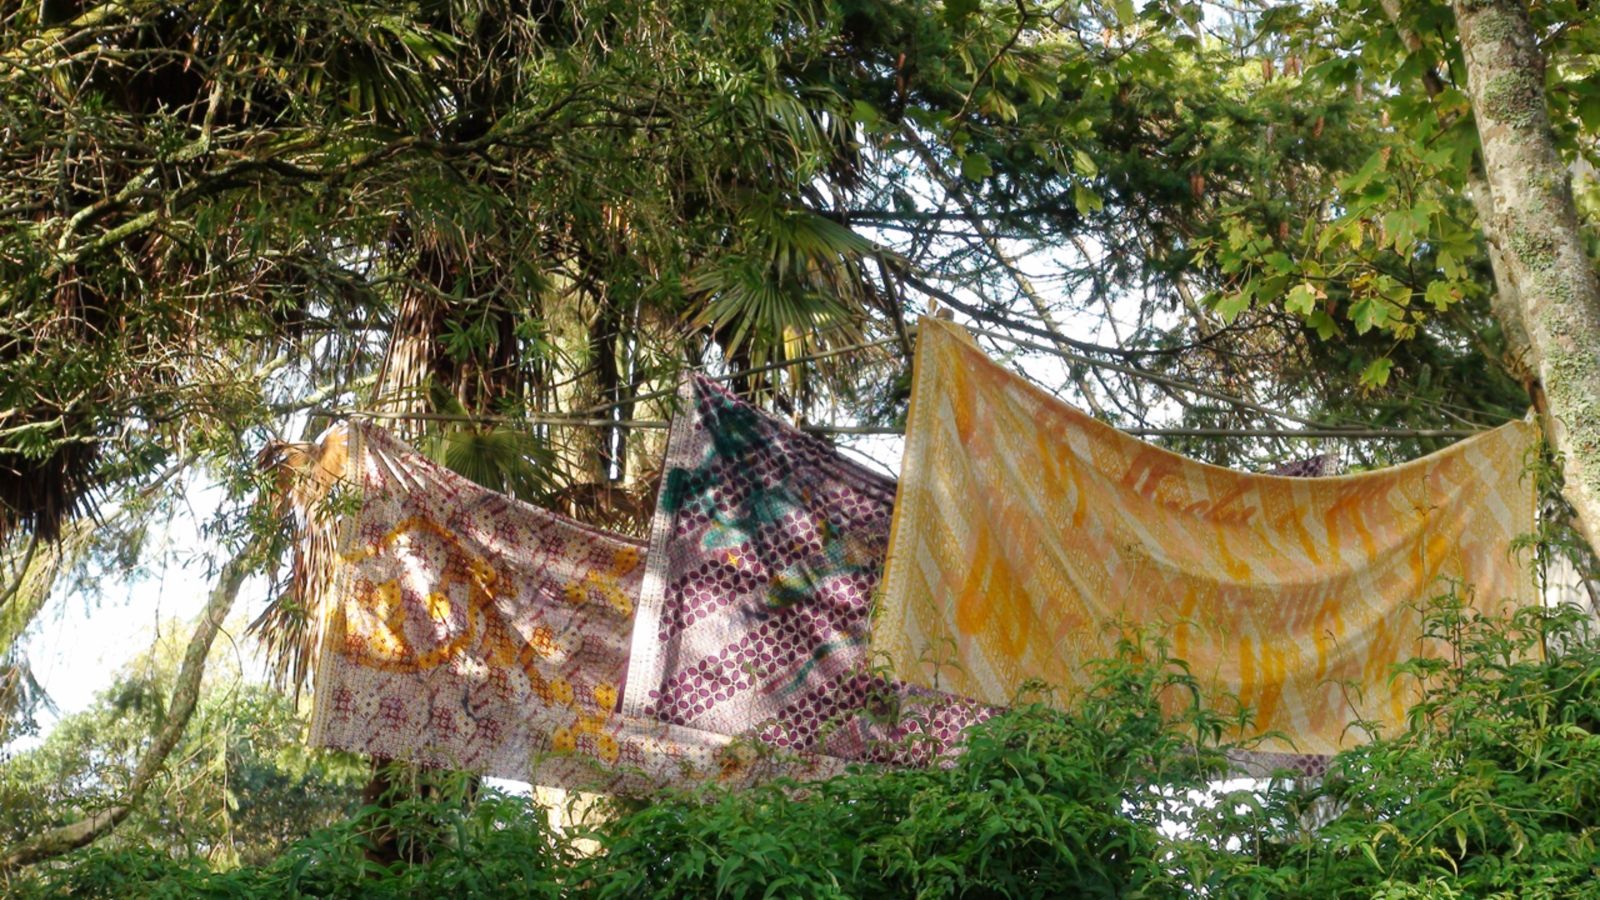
(508, 228)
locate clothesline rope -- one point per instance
(576, 422)
(592, 417)
(1157, 378)
(1314, 429)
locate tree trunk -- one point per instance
(1535, 226)
(185, 693)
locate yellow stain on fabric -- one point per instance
(1027, 533)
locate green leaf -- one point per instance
(1589, 112)
(1124, 10)
(1394, 290)
(1086, 201)
(1325, 325)
(1040, 90)
(1441, 294)
(995, 103)
(1376, 374)
(1368, 313)
(1084, 164)
(1438, 157)
(1397, 227)
(1449, 265)
(1328, 236)
(1374, 164)
(1229, 306)
(1302, 299)
(976, 167)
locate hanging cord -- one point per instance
(1314, 429)
(742, 373)
(587, 418)
(575, 422)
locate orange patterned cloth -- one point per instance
(468, 630)
(1027, 537)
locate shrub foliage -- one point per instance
(1493, 789)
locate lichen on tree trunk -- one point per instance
(1535, 227)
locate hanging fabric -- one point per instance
(765, 550)
(1029, 537)
(1322, 465)
(468, 630)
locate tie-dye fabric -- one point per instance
(471, 631)
(1262, 763)
(764, 553)
(1027, 534)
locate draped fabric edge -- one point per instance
(1528, 421)
(896, 537)
(332, 594)
(646, 661)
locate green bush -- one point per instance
(1493, 789)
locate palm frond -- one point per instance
(45, 480)
(502, 458)
(793, 276)
(29, 573)
(509, 458)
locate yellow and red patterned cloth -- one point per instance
(1029, 537)
(471, 631)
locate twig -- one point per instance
(185, 694)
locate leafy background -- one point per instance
(511, 226)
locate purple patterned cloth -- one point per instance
(1322, 465)
(765, 550)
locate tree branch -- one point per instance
(185, 694)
